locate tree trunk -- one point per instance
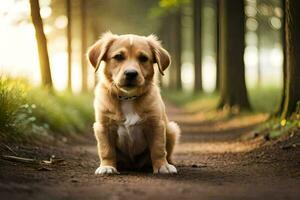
(279, 109)
(178, 50)
(197, 46)
(232, 30)
(217, 88)
(84, 71)
(175, 50)
(41, 44)
(69, 43)
(292, 52)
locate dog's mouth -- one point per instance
(129, 85)
(128, 88)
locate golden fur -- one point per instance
(131, 133)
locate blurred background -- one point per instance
(233, 87)
(226, 54)
(81, 22)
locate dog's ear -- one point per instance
(161, 56)
(97, 51)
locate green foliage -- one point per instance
(267, 100)
(11, 98)
(166, 6)
(276, 127)
(26, 111)
(171, 3)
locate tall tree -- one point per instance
(41, 44)
(292, 59)
(280, 107)
(84, 71)
(218, 53)
(197, 45)
(175, 49)
(69, 43)
(232, 31)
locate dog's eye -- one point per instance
(119, 57)
(143, 58)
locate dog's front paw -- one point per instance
(106, 170)
(166, 169)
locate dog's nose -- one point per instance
(130, 74)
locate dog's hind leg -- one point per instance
(172, 137)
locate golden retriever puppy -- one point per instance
(131, 128)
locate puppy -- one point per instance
(131, 128)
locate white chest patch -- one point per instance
(131, 116)
(131, 140)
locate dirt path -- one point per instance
(213, 163)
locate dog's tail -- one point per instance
(172, 137)
(174, 130)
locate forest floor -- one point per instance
(214, 161)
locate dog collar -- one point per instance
(124, 98)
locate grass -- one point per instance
(190, 101)
(276, 127)
(27, 111)
(262, 99)
(265, 99)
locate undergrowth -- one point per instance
(27, 111)
(276, 127)
(263, 100)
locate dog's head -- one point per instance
(129, 60)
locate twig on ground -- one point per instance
(20, 159)
(51, 161)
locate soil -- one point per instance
(214, 161)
